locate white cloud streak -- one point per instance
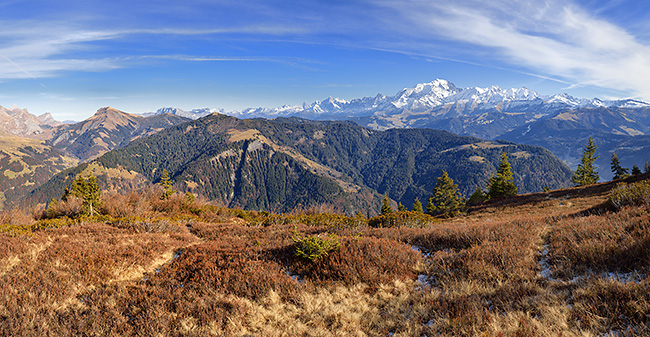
(554, 38)
(41, 51)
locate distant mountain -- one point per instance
(35, 148)
(480, 112)
(19, 122)
(192, 114)
(27, 163)
(561, 123)
(291, 162)
(108, 129)
(624, 131)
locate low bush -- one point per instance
(636, 194)
(330, 220)
(402, 219)
(369, 260)
(315, 247)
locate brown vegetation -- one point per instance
(548, 264)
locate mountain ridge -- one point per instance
(281, 164)
(494, 113)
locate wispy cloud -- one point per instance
(39, 51)
(551, 39)
(555, 38)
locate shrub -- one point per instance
(369, 260)
(315, 247)
(636, 194)
(409, 219)
(71, 207)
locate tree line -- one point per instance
(447, 201)
(586, 173)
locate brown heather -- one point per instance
(562, 263)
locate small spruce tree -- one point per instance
(636, 170)
(431, 206)
(87, 189)
(617, 169)
(166, 183)
(417, 206)
(400, 207)
(446, 199)
(586, 173)
(477, 198)
(502, 185)
(385, 205)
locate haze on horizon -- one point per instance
(72, 57)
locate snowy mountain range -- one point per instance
(561, 123)
(482, 112)
(439, 95)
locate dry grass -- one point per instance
(554, 264)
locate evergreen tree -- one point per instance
(385, 205)
(502, 184)
(400, 207)
(417, 206)
(617, 169)
(166, 183)
(445, 199)
(636, 170)
(477, 198)
(87, 189)
(586, 173)
(431, 206)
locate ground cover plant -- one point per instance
(558, 263)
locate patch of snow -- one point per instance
(424, 282)
(546, 270)
(422, 250)
(295, 277)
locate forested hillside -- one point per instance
(290, 162)
(26, 163)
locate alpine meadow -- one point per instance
(285, 168)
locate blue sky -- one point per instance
(72, 57)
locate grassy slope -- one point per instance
(27, 163)
(537, 265)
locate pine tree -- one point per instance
(477, 198)
(385, 205)
(91, 196)
(400, 207)
(586, 173)
(417, 206)
(617, 169)
(431, 206)
(87, 189)
(636, 170)
(502, 185)
(166, 183)
(446, 199)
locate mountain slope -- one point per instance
(27, 163)
(613, 130)
(481, 112)
(108, 129)
(35, 148)
(495, 113)
(20, 122)
(290, 162)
